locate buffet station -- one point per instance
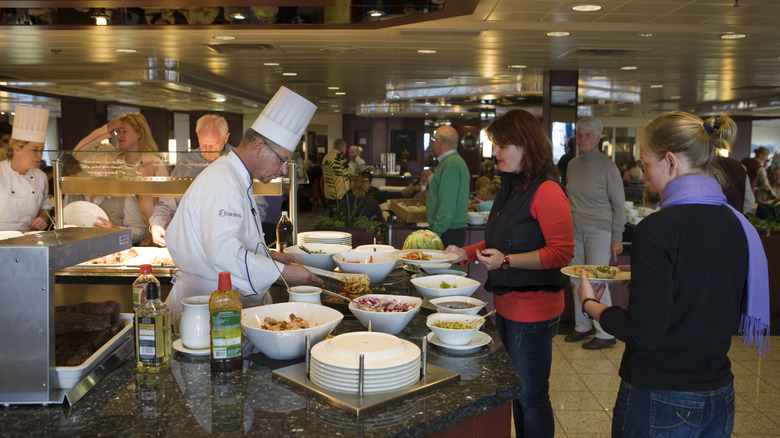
(393, 344)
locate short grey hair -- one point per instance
(214, 120)
(591, 124)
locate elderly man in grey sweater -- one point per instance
(595, 188)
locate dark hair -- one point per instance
(521, 128)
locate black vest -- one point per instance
(511, 230)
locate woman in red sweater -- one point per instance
(528, 238)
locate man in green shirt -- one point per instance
(448, 196)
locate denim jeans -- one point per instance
(641, 412)
(529, 345)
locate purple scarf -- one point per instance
(702, 189)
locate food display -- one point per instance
(457, 305)
(295, 323)
(423, 239)
(416, 255)
(451, 325)
(81, 329)
(376, 304)
(599, 273)
(115, 258)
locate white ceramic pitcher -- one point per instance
(194, 328)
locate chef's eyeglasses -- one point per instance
(284, 162)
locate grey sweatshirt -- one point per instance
(595, 189)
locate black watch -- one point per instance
(505, 263)
(583, 306)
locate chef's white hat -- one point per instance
(30, 123)
(285, 118)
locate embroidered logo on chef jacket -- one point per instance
(223, 213)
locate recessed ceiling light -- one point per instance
(517, 66)
(224, 37)
(586, 8)
(289, 73)
(675, 97)
(646, 34)
(334, 106)
(271, 64)
(340, 93)
(426, 51)
(733, 36)
(558, 34)
(376, 13)
(126, 51)
(501, 76)
(333, 88)
(420, 82)
(656, 86)
(629, 67)
(599, 78)
(323, 101)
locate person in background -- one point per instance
(490, 195)
(355, 162)
(24, 192)
(633, 187)
(213, 134)
(528, 238)
(773, 187)
(360, 198)
(448, 195)
(650, 197)
(480, 192)
(216, 227)
(5, 134)
(418, 188)
(135, 142)
(335, 173)
(752, 165)
(676, 377)
(598, 212)
(563, 162)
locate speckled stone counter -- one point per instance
(189, 400)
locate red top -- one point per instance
(550, 207)
(224, 281)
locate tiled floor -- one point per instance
(584, 384)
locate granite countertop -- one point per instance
(189, 400)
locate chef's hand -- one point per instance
(38, 224)
(158, 235)
(104, 223)
(586, 288)
(456, 250)
(297, 275)
(491, 258)
(281, 257)
(617, 249)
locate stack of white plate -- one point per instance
(337, 237)
(389, 363)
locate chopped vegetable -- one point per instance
(445, 285)
(374, 304)
(452, 325)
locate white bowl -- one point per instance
(377, 265)
(430, 286)
(289, 344)
(454, 336)
(375, 248)
(321, 261)
(471, 305)
(387, 322)
(304, 294)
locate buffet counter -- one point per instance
(188, 400)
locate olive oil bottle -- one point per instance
(225, 318)
(153, 333)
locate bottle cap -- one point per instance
(224, 281)
(152, 292)
(146, 269)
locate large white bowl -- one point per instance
(474, 305)
(430, 286)
(377, 265)
(387, 322)
(289, 344)
(454, 336)
(321, 261)
(375, 248)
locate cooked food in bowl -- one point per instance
(454, 329)
(458, 304)
(377, 265)
(417, 255)
(320, 254)
(295, 323)
(452, 325)
(435, 286)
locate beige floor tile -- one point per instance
(763, 401)
(574, 401)
(606, 399)
(602, 382)
(561, 367)
(754, 423)
(742, 404)
(584, 422)
(570, 382)
(593, 366)
(750, 384)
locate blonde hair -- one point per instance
(139, 124)
(7, 152)
(689, 136)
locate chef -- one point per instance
(216, 227)
(24, 189)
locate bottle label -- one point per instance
(147, 341)
(139, 296)
(226, 334)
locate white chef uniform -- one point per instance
(21, 197)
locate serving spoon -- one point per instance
(475, 322)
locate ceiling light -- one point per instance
(733, 36)
(656, 86)
(500, 76)
(420, 82)
(340, 93)
(517, 66)
(271, 64)
(376, 13)
(334, 106)
(599, 78)
(558, 34)
(646, 34)
(628, 67)
(333, 88)
(238, 16)
(675, 97)
(289, 74)
(126, 51)
(224, 37)
(426, 51)
(100, 16)
(586, 8)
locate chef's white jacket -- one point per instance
(22, 197)
(216, 228)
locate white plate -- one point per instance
(369, 381)
(10, 234)
(437, 257)
(82, 214)
(178, 345)
(478, 341)
(620, 276)
(391, 385)
(370, 341)
(343, 373)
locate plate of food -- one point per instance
(423, 257)
(598, 274)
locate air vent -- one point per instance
(581, 53)
(231, 49)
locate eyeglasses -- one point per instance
(284, 162)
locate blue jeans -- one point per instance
(641, 411)
(529, 345)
